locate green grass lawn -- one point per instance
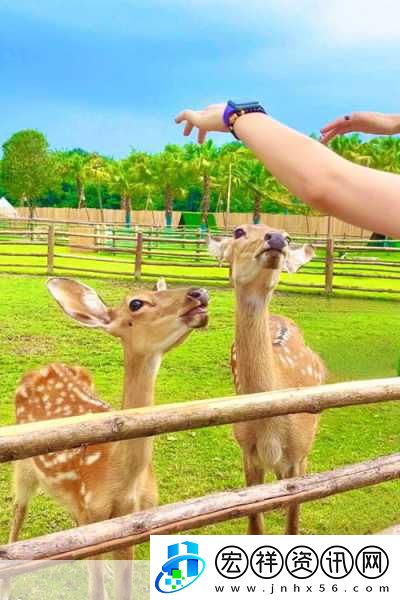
(357, 338)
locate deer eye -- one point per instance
(238, 233)
(288, 239)
(135, 305)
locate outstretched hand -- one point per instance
(209, 119)
(362, 122)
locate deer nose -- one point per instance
(199, 294)
(276, 241)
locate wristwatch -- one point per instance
(233, 111)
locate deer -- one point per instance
(269, 353)
(107, 480)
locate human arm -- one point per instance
(319, 177)
(362, 122)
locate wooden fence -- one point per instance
(294, 224)
(33, 439)
(341, 264)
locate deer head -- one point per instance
(147, 321)
(258, 254)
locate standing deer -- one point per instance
(269, 353)
(105, 480)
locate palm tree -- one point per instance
(97, 170)
(203, 166)
(169, 174)
(72, 165)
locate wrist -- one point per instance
(248, 122)
(235, 111)
(393, 124)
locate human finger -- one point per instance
(201, 136)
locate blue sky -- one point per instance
(110, 75)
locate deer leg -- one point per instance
(293, 511)
(97, 589)
(254, 474)
(25, 484)
(123, 567)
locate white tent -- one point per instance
(7, 210)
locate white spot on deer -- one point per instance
(21, 391)
(92, 458)
(309, 370)
(44, 372)
(88, 497)
(83, 489)
(59, 385)
(50, 382)
(67, 476)
(20, 410)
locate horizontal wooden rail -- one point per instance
(363, 289)
(100, 248)
(365, 249)
(365, 275)
(372, 263)
(316, 286)
(94, 270)
(102, 537)
(94, 258)
(24, 243)
(32, 439)
(193, 276)
(181, 264)
(173, 240)
(100, 236)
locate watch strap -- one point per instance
(234, 110)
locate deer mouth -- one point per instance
(195, 317)
(271, 257)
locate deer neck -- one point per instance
(256, 370)
(140, 373)
(131, 457)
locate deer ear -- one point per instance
(80, 302)
(160, 285)
(220, 248)
(298, 257)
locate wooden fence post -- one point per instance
(50, 249)
(138, 256)
(329, 261)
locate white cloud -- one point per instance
(344, 22)
(347, 22)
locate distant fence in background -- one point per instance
(39, 247)
(294, 224)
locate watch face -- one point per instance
(246, 105)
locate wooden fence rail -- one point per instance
(33, 439)
(102, 537)
(154, 248)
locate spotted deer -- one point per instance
(269, 353)
(106, 480)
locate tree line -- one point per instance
(189, 177)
